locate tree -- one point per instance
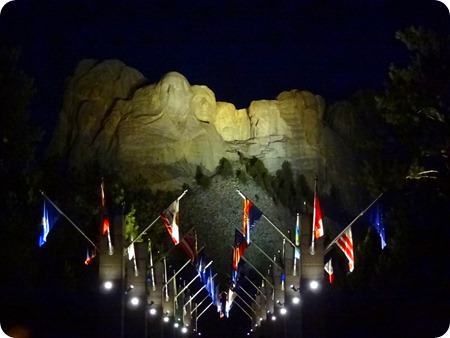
(18, 193)
(415, 103)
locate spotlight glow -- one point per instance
(166, 319)
(184, 330)
(283, 311)
(274, 318)
(108, 285)
(134, 301)
(314, 285)
(295, 300)
(153, 311)
(176, 325)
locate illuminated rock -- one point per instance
(112, 115)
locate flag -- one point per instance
(251, 215)
(105, 224)
(90, 255)
(329, 269)
(345, 243)
(240, 244)
(170, 218)
(317, 218)
(105, 220)
(49, 218)
(297, 238)
(210, 287)
(376, 218)
(102, 193)
(189, 245)
(131, 252)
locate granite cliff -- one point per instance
(163, 131)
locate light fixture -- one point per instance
(314, 285)
(296, 300)
(283, 311)
(152, 311)
(166, 319)
(108, 285)
(134, 301)
(294, 288)
(129, 288)
(274, 318)
(184, 329)
(175, 325)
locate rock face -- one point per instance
(163, 131)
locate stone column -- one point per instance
(111, 282)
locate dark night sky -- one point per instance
(242, 50)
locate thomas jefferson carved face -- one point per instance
(175, 93)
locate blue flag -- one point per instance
(49, 217)
(376, 219)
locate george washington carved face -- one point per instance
(175, 94)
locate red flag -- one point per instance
(170, 218)
(105, 225)
(329, 269)
(317, 218)
(189, 245)
(240, 244)
(89, 256)
(345, 242)
(251, 215)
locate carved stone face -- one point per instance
(175, 94)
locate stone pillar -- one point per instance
(111, 282)
(279, 285)
(312, 300)
(136, 306)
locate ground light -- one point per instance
(283, 311)
(296, 300)
(314, 285)
(184, 329)
(108, 285)
(166, 319)
(152, 311)
(134, 301)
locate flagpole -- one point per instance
(351, 223)
(237, 295)
(157, 218)
(204, 286)
(198, 304)
(152, 271)
(186, 286)
(259, 248)
(311, 250)
(146, 229)
(175, 274)
(251, 265)
(68, 219)
(166, 293)
(270, 222)
(193, 279)
(243, 310)
(257, 288)
(249, 296)
(204, 310)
